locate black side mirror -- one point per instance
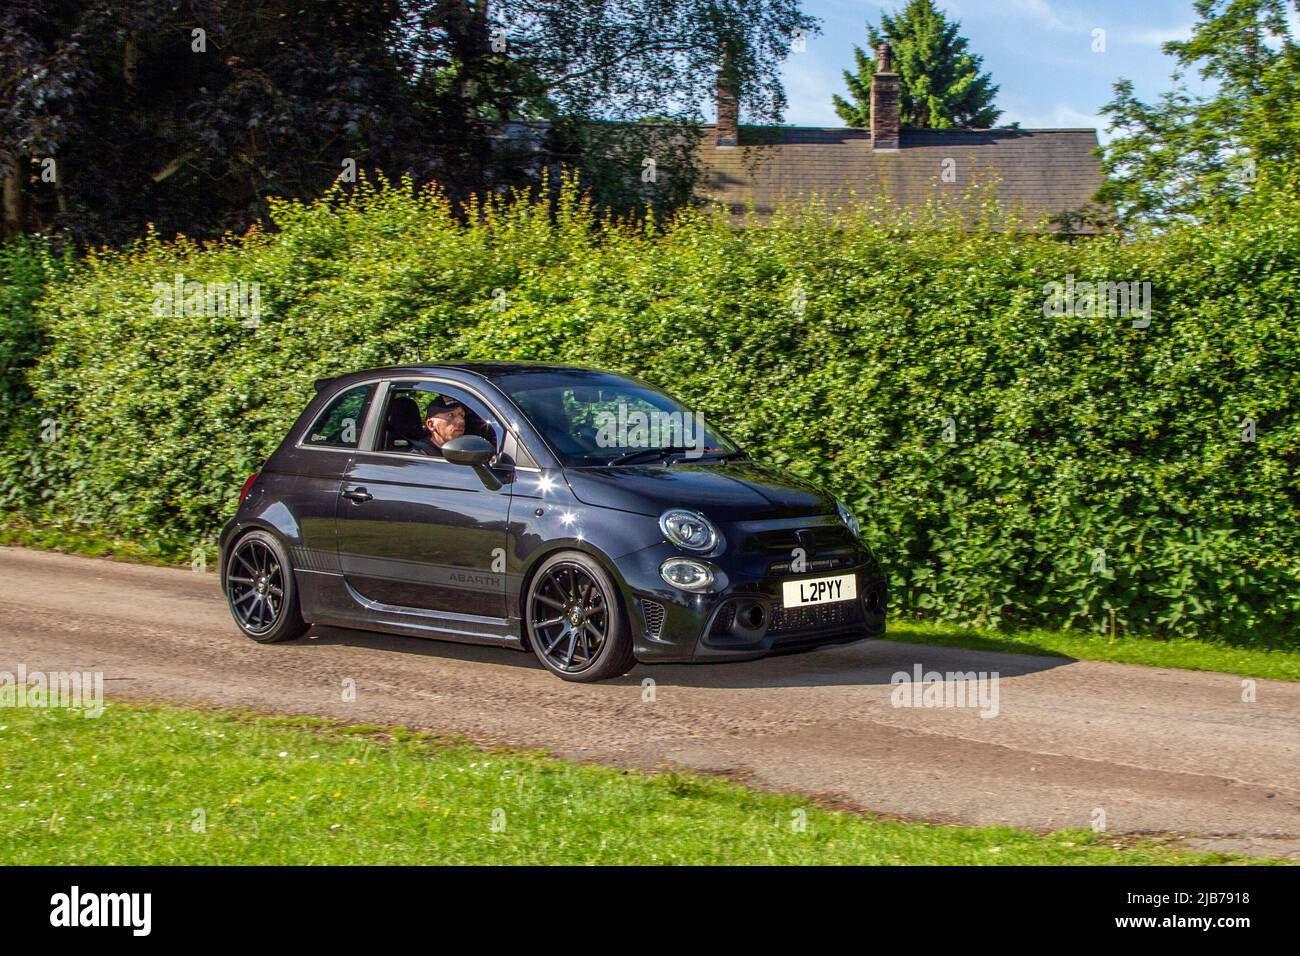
(468, 450)
(476, 452)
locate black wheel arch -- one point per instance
(237, 532)
(540, 557)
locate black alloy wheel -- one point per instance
(575, 624)
(261, 591)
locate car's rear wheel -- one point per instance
(575, 622)
(261, 591)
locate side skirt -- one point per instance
(327, 599)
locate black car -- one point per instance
(582, 514)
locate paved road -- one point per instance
(1155, 750)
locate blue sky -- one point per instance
(1038, 51)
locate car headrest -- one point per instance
(475, 425)
(404, 419)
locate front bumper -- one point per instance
(743, 616)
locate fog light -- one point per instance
(751, 615)
(686, 574)
(750, 622)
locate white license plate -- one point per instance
(842, 587)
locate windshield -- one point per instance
(594, 418)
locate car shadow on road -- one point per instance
(864, 663)
(425, 647)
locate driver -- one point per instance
(445, 420)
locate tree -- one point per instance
(592, 69)
(1184, 156)
(940, 81)
(189, 114)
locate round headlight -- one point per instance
(846, 516)
(688, 529)
(686, 574)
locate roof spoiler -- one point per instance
(320, 383)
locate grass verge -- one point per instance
(21, 532)
(148, 784)
(1269, 662)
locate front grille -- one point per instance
(817, 541)
(654, 617)
(815, 564)
(815, 617)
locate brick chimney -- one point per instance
(728, 129)
(884, 101)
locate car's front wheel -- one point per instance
(261, 591)
(574, 620)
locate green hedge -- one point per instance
(26, 265)
(1072, 434)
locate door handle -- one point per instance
(358, 495)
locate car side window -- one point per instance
(339, 425)
(404, 426)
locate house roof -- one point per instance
(1035, 174)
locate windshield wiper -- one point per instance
(663, 453)
(640, 453)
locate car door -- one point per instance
(306, 477)
(417, 532)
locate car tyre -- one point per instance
(574, 620)
(260, 589)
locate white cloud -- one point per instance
(1154, 36)
(848, 8)
(1052, 17)
(809, 92)
(1059, 116)
(1045, 14)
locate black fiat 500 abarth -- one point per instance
(584, 515)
